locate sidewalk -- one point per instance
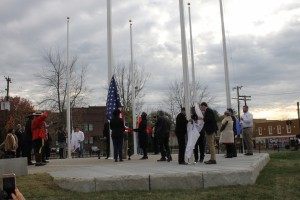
(93, 174)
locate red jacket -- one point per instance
(38, 128)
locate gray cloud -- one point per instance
(265, 64)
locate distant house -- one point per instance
(271, 133)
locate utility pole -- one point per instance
(245, 99)
(240, 98)
(298, 118)
(8, 80)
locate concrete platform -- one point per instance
(17, 166)
(93, 174)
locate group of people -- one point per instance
(161, 129)
(206, 134)
(19, 142)
(204, 125)
(232, 127)
(35, 135)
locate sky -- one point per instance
(262, 37)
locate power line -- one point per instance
(274, 94)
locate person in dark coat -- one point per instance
(61, 140)
(28, 139)
(181, 131)
(143, 135)
(210, 127)
(19, 133)
(163, 133)
(200, 147)
(117, 127)
(106, 135)
(234, 152)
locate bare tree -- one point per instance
(124, 80)
(54, 77)
(175, 98)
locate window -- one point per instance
(259, 130)
(278, 129)
(288, 129)
(88, 127)
(91, 140)
(270, 130)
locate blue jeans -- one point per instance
(80, 150)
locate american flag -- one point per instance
(113, 99)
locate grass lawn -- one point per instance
(280, 179)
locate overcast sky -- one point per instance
(263, 44)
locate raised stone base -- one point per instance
(17, 166)
(152, 175)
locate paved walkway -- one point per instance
(93, 174)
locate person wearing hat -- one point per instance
(181, 131)
(117, 130)
(143, 135)
(38, 130)
(227, 135)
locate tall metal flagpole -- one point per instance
(192, 58)
(109, 41)
(133, 91)
(68, 94)
(110, 57)
(184, 61)
(227, 85)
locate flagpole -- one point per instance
(192, 58)
(184, 61)
(110, 57)
(133, 91)
(227, 85)
(109, 41)
(68, 95)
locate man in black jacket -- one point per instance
(163, 133)
(210, 127)
(117, 133)
(180, 131)
(28, 139)
(19, 133)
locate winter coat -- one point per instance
(227, 134)
(38, 127)
(117, 127)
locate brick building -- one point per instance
(91, 121)
(270, 133)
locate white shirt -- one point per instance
(247, 120)
(77, 137)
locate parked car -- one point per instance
(95, 149)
